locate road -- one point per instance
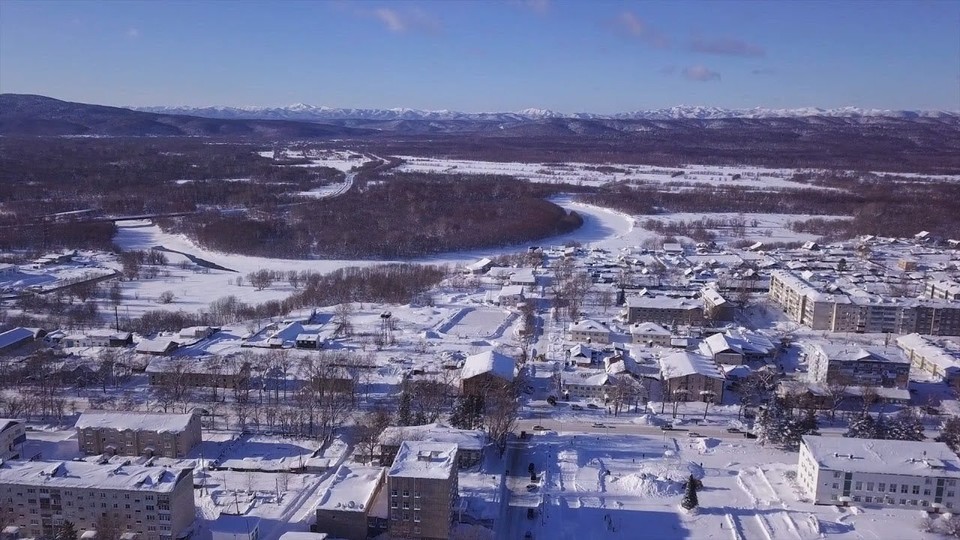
(614, 427)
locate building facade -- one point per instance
(13, 433)
(348, 508)
(589, 331)
(906, 474)
(938, 360)
(663, 310)
(858, 366)
(423, 490)
(138, 434)
(156, 503)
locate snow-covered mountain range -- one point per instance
(302, 111)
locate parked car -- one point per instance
(733, 430)
(531, 513)
(532, 487)
(592, 406)
(599, 425)
(694, 434)
(576, 407)
(539, 428)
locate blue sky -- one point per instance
(601, 56)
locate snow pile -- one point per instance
(645, 485)
(706, 444)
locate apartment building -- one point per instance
(486, 370)
(13, 433)
(837, 311)
(651, 334)
(155, 503)
(350, 507)
(589, 331)
(858, 366)
(940, 360)
(689, 376)
(423, 490)
(942, 289)
(137, 434)
(663, 310)
(470, 442)
(906, 474)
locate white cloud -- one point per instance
(399, 22)
(636, 27)
(132, 33)
(700, 73)
(727, 46)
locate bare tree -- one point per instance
(341, 319)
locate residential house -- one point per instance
(510, 295)
(482, 371)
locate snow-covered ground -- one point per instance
(594, 175)
(622, 486)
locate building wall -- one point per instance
(94, 441)
(694, 384)
(895, 490)
(10, 440)
(655, 339)
(433, 508)
(591, 336)
(665, 315)
(859, 373)
(154, 516)
(466, 457)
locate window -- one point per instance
(868, 499)
(393, 492)
(836, 485)
(893, 488)
(856, 498)
(926, 492)
(406, 505)
(858, 486)
(833, 497)
(406, 516)
(406, 493)
(416, 494)
(416, 517)
(903, 501)
(869, 486)
(904, 488)
(881, 486)
(951, 493)
(393, 504)
(915, 490)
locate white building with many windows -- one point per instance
(842, 471)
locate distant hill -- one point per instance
(32, 115)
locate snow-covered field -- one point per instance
(619, 486)
(589, 175)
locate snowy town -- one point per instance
(764, 384)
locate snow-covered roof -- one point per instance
(493, 362)
(648, 329)
(662, 302)
(136, 421)
(90, 475)
(947, 361)
(156, 346)
(524, 276)
(236, 525)
(352, 489)
(581, 351)
(419, 459)
(6, 423)
(467, 439)
(588, 325)
(848, 353)
(299, 535)
(909, 458)
(512, 290)
(683, 363)
(584, 379)
(480, 265)
(14, 336)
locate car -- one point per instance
(694, 434)
(749, 435)
(667, 427)
(599, 425)
(592, 406)
(539, 428)
(532, 487)
(576, 407)
(733, 430)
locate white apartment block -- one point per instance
(423, 486)
(155, 503)
(12, 435)
(843, 471)
(853, 365)
(137, 434)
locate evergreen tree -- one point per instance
(950, 433)
(467, 412)
(906, 426)
(404, 414)
(771, 424)
(863, 427)
(795, 428)
(66, 531)
(689, 501)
